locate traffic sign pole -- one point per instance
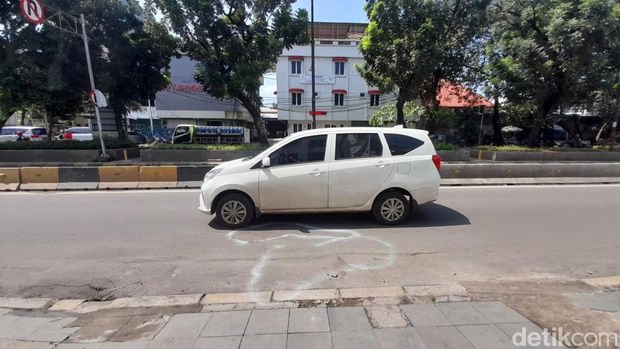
(92, 85)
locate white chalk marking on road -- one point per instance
(525, 186)
(341, 235)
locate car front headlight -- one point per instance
(212, 173)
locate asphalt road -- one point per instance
(100, 245)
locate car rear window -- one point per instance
(401, 144)
(358, 145)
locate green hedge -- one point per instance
(445, 146)
(250, 146)
(543, 149)
(67, 145)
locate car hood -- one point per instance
(235, 166)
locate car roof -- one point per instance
(21, 127)
(399, 130)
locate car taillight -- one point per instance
(35, 136)
(437, 162)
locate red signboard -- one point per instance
(33, 11)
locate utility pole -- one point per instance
(104, 155)
(614, 124)
(312, 64)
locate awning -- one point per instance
(295, 58)
(298, 90)
(375, 92)
(339, 91)
(340, 59)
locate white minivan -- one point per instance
(383, 170)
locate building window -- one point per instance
(339, 68)
(374, 100)
(295, 67)
(339, 99)
(296, 98)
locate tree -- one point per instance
(132, 54)
(546, 54)
(386, 114)
(235, 43)
(410, 46)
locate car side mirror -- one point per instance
(266, 162)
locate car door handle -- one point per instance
(380, 164)
(315, 172)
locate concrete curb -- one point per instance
(273, 299)
(191, 176)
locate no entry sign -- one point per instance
(33, 11)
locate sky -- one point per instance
(324, 11)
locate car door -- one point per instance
(297, 177)
(358, 170)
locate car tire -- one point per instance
(234, 211)
(391, 208)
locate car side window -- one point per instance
(307, 149)
(401, 144)
(358, 145)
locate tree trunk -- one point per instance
(498, 138)
(254, 111)
(22, 120)
(614, 124)
(400, 114)
(118, 120)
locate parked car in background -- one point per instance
(78, 134)
(386, 171)
(26, 133)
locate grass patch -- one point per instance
(445, 146)
(64, 145)
(250, 146)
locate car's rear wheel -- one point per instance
(234, 211)
(391, 208)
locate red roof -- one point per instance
(457, 96)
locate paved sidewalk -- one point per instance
(459, 325)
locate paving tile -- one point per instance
(462, 314)
(322, 340)
(373, 292)
(264, 341)
(157, 301)
(348, 319)
(268, 321)
(425, 315)
(305, 295)
(355, 340)
(443, 337)
(397, 338)
(308, 320)
(66, 304)
(436, 290)
(14, 344)
(171, 342)
(231, 342)
(385, 316)
(182, 327)
(497, 312)
(226, 323)
(124, 345)
(608, 301)
(50, 335)
(487, 337)
(59, 323)
(607, 281)
(24, 303)
(523, 329)
(246, 297)
(4, 311)
(78, 346)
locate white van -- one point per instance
(384, 170)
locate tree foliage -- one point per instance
(551, 53)
(411, 45)
(46, 68)
(235, 43)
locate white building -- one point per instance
(342, 96)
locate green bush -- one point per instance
(65, 145)
(250, 146)
(522, 148)
(445, 146)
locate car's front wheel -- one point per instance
(234, 211)
(391, 208)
